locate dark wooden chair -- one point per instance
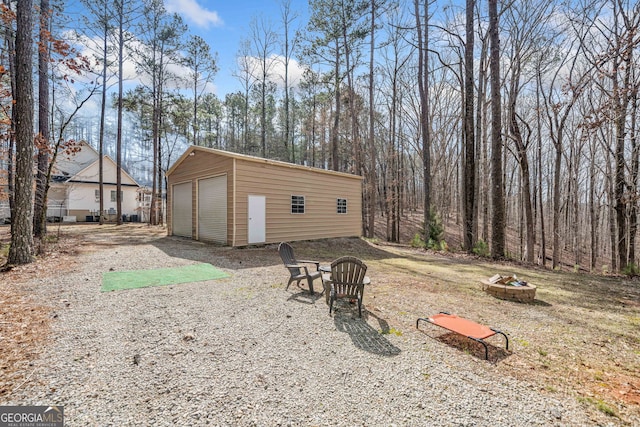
(347, 281)
(297, 268)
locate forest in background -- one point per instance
(517, 116)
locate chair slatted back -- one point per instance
(348, 275)
(286, 253)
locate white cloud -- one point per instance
(296, 71)
(276, 69)
(91, 48)
(191, 10)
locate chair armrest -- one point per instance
(306, 261)
(293, 266)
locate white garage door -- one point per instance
(212, 209)
(181, 208)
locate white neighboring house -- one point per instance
(75, 190)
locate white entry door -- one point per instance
(257, 219)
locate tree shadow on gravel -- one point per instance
(363, 335)
(234, 258)
(322, 250)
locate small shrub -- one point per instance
(395, 332)
(481, 248)
(417, 241)
(390, 331)
(435, 240)
(436, 233)
(631, 270)
(606, 409)
(600, 404)
(436, 228)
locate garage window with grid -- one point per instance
(297, 204)
(342, 206)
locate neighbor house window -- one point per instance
(342, 206)
(297, 204)
(113, 195)
(97, 195)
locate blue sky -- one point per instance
(223, 24)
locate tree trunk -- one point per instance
(555, 227)
(621, 104)
(119, 129)
(103, 107)
(523, 161)
(335, 159)
(528, 207)
(483, 113)
(469, 170)
(635, 165)
(593, 213)
(195, 105)
(370, 232)
(356, 148)
(497, 195)
(10, 49)
(543, 244)
(40, 203)
(20, 251)
(612, 214)
(423, 89)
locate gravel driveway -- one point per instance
(244, 351)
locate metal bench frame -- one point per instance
(478, 338)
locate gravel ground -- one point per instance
(244, 351)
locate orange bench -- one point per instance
(465, 327)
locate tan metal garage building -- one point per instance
(237, 200)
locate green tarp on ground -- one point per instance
(118, 280)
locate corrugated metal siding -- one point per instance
(321, 192)
(202, 165)
(278, 183)
(181, 207)
(212, 209)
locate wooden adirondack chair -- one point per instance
(297, 268)
(347, 280)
